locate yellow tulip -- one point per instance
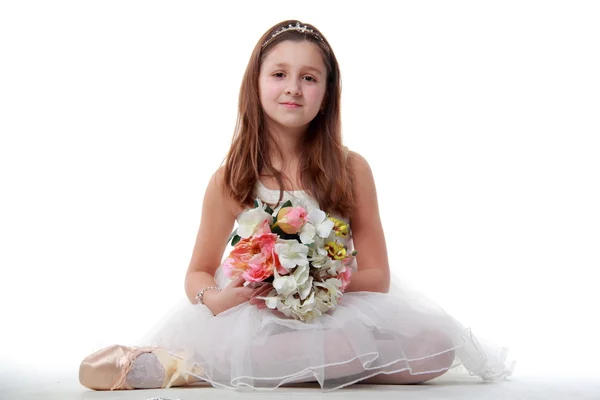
(336, 250)
(340, 227)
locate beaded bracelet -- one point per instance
(200, 295)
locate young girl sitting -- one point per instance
(288, 146)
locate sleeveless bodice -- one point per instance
(298, 197)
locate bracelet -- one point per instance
(200, 295)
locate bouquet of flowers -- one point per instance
(296, 251)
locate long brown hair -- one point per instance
(324, 162)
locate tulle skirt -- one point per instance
(366, 335)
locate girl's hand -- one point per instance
(260, 291)
(232, 295)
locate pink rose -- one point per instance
(291, 219)
(263, 228)
(254, 258)
(345, 277)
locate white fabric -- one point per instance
(368, 334)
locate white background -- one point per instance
(480, 122)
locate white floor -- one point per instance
(63, 385)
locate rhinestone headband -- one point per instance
(290, 27)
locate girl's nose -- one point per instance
(292, 90)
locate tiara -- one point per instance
(290, 27)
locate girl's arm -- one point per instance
(217, 221)
(373, 274)
(369, 280)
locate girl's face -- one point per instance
(292, 84)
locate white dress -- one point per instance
(367, 334)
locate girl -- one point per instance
(288, 145)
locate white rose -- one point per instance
(305, 311)
(321, 223)
(251, 219)
(307, 233)
(335, 267)
(291, 253)
(332, 290)
(320, 260)
(285, 285)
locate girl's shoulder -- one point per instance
(359, 164)
(364, 183)
(218, 180)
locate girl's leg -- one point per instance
(428, 342)
(121, 367)
(442, 361)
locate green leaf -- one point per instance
(255, 203)
(232, 235)
(269, 210)
(236, 239)
(290, 236)
(277, 230)
(287, 204)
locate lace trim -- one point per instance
(122, 382)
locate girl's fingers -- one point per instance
(255, 295)
(261, 292)
(245, 293)
(237, 281)
(267, 288)
(250, 293)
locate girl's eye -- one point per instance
(280, 74)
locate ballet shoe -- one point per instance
(108, 369)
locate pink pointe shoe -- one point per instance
(119, 367)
